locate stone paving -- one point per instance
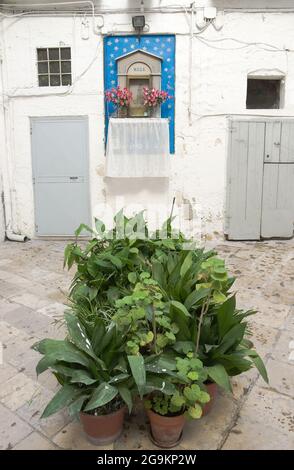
(33, 288)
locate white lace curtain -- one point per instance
(137, 147)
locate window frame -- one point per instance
(279, 78)
(48, 74)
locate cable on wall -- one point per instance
(57, 4)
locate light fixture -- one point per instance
(138, 23)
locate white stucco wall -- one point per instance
(2, 228)
(219, 77)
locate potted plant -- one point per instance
(211, 326)
(106, 266)
(96, 377)
(168, 408)
(164, 295)
(120, 98)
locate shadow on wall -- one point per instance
(129, 193)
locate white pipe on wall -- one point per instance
(190, 64)
(80, 2)
(8, 202)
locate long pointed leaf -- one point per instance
(63, 398)
(138, 370)
(101, 396)
(195, 297)
(78, 334)
(98, 334)
(225, 316)
(219, 375)
(186, 264)
(76, 375)
(76, 406)
(126, 396)
(260, 367)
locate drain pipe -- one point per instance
(14, 237)
(192, 6)
(9, 233)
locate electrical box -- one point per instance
(210, 13)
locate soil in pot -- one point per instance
(103, 429)
(166, 431)
(211, 388)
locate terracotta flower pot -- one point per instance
(103, 429)
(211, 389)
(166, 431)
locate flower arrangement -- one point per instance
(120, 97)
(154, 97)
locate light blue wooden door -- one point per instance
(60, 174)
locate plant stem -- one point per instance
(154, 330)
(204, 310)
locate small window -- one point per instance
(263, 93)
(54, 66)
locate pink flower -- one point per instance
(154, 97)
(119, 97)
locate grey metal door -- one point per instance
(260, 179)
(60, 174)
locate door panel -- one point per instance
(278, 201)
(245, 166)
(287, 142)
(60, 170)
(272, 142)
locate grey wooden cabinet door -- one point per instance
(60, 174)
(277, 213)
(260, 180)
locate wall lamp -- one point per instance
(138, 23)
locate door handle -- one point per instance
(73, 177)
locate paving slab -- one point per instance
(17, 391)
(248, 435)
(271, 409)
(32, 410)
(12, 429)
(34, 442)
(284, 347)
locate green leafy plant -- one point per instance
(94, 373)
(164, 295)
(144, 318)
(106, 265)
(206, 314)
(187, 393)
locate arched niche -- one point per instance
(136, 70)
